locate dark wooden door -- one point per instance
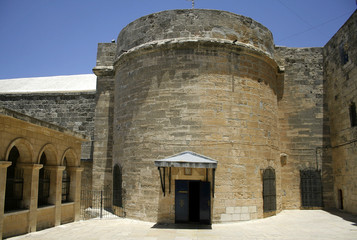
(181, 201)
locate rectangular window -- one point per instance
(353, 114)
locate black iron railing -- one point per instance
(96, 204)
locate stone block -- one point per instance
(245, 216)
(236, 217)
(245, 209)
(229, 209)
(237, 209)
(226, 217)
(252, 209)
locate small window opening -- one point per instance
(353, 114)
(343, 53)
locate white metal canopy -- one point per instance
(187, 159)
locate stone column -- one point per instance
(56, 190)
(104, 112)
(3, 172)
(75, 190)
(30, 192)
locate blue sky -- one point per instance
(60, 37)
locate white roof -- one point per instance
(187, 159)
(68, 83)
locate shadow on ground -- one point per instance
(344, 215)
(181, 226)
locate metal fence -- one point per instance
(96, 204)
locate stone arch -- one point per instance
(51, 154)
(70, 156)
(25, 149)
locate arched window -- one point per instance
(311, 188)
(117, 186)
(43, 183)
(65, 182)
(14, 183)
(269, 191)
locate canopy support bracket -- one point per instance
(162, 179)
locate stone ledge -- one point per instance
(185, 40)
(103, 70)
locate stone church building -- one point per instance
(197, 116)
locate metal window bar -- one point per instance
(96, 204)
(311, 188)
(269, 190)
(44, 188)
(65, 186)
(14, 191)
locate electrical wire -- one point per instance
(316, 26)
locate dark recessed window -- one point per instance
(117, 186)
(353, 114)
(343, 53)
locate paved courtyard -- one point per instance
(292, 224)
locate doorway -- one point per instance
(340, 199)
(192, 202)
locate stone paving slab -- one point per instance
(289, 224)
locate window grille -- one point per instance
(14, 183)
(43, 183)
(65, 186)
(269, 191)
(14, 191)
(66, 181)
(43, 188)
(311, 188)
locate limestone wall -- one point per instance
(303, 122)
(74, 111)
(32, 138)
(212, 97)
(21, 227)
(340, 73)
(104, 111)
(194, 24)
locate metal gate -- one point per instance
(311, 188)
(96, 204)
(269, 190)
